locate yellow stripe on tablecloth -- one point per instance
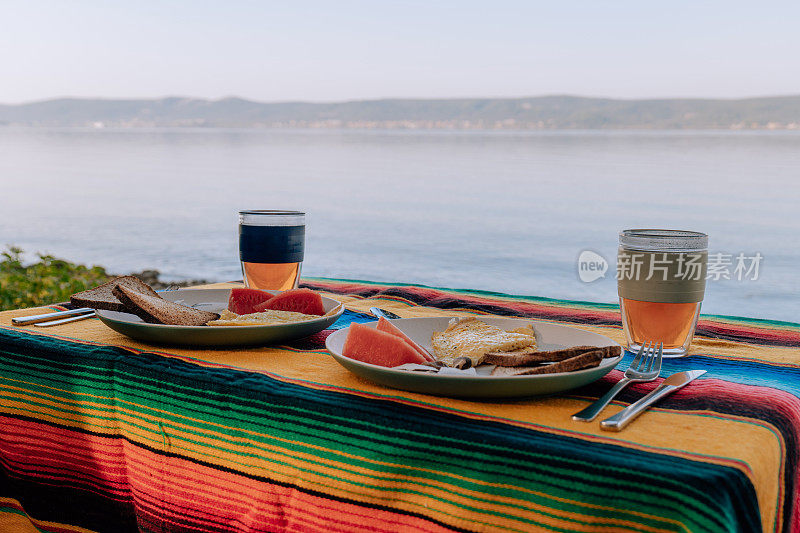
(14, 520)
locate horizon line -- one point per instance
(389, 98)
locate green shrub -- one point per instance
(45, 282)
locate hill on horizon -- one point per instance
(543, 112)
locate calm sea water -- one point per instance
(500, 211)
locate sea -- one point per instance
(504, 211)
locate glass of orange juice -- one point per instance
(271, 247)
(661, 280)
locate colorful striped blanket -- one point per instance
(102, 433)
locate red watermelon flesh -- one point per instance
(388, 327)
(376, 347)
(297, 300)
(244, 301)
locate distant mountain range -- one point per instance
(545, 112)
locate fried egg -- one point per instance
(473, 338)
(269, 317)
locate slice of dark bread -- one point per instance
(157, 310)
(102, 297)
(516, 358)
(578, 362)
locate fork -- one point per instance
(645, 367)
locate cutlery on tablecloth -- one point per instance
(72, 314)
(63, 317)
(63, 321)
(378, 312)
(645, 367)
(668, 386)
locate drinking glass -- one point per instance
(661, 280)
(271, 245)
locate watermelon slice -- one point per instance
(370, 345)
(297, 300)
(388, 327)
(244, 301)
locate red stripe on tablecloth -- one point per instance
(713, 328)
(179, 491)
(53, 454)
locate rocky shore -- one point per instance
(152, 278)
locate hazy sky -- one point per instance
(338, 50)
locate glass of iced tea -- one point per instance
(661, 280)
(271, 245)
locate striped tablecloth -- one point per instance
(102, 433)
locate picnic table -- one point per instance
(99, 432)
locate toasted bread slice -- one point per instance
(157, 310)
(525, 358)
(102, 297)
(578, 362)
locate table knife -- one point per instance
(378, 312)
(668, 386)
(35, 319)
(64, 320)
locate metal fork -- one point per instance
(645, 367)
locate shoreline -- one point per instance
(153, 278)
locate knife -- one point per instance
(63, 320)
(668, 386)
(35, 319)
(378, 312)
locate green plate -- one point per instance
(481, 385)
(215, 300)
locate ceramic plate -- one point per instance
(215, 300)
(482, 385)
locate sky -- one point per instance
(351, 50)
